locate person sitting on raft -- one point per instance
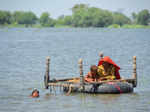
(107, 69)
(92, 76)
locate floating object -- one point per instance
(78, 84)
(104, 88)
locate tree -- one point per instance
(45, 20)
(134, 17)
(17, 16)
(78, 18)
(143, 17)
(78, 7)
(5, 17)
(60, 20)
(91, 16)
(79, 15)
(120, 19)
(68, 20)
(102, 18)
(27, 18)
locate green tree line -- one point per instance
(82, 16)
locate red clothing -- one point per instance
(109, 60)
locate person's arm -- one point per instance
(88, 77)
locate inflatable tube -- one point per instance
(110, 88)
(106, 88)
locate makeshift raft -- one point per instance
(78, 84)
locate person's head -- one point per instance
(35, 93)
(106, 64)
(94, 69)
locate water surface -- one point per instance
(22, 66)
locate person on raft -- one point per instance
(92, 76)
(106, 70)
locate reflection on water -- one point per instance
(22, 67)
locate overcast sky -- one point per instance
(59, 7)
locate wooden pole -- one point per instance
(47, 77)
(81, 74)
(134, 71)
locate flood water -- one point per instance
(23, 53)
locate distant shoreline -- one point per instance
(83, 16)
(65, 26)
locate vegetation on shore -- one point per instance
(82, 16)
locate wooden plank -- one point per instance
(64, 83)
(78, 78)
(66, 79)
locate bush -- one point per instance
(134, 26)
(114, 26)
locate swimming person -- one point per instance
(35, 93)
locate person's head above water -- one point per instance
(35, 93)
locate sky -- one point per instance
(57, 8)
